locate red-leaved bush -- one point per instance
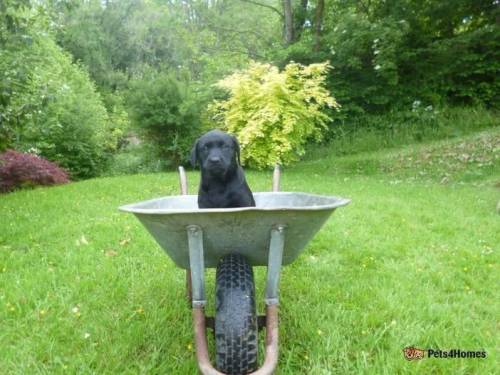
(18, 170)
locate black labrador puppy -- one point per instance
(223, 183)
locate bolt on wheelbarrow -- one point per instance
(233, 240)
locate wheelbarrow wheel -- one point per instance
(236, 331)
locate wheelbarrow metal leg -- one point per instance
(203, 359)
(189, 288)
(196, 264)
(275, 259)
(200, 337)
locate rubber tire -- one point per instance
(236, 331)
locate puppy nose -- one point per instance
(214, 159)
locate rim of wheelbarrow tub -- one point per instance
(321, 202)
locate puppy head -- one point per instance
(216, 152)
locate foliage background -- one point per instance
(81, 80)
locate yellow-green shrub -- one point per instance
(274, 114)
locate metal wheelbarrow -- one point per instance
(233, 240)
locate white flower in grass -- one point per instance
(76, 310)
(377, 67)
(83, 240)
(86, 335)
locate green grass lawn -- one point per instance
(413, 260)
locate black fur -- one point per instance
(223, 183)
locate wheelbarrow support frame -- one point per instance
(196, 289)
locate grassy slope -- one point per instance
(412, 261)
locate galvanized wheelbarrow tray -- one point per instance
(271, 234)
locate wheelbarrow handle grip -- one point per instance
(183, 181)
(276, 178)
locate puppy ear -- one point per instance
(237, 149)
(194, 154)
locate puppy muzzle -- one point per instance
(216, 169)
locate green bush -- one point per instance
(69, 123)
(274, 114)
(467, 66)
(166, 111)
(49, 104)
(119, 121)
(365, 57)
(16, 36)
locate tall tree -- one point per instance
(288, 22)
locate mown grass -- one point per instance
(412, 261)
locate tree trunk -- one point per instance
(288, 22)
(318, 23)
